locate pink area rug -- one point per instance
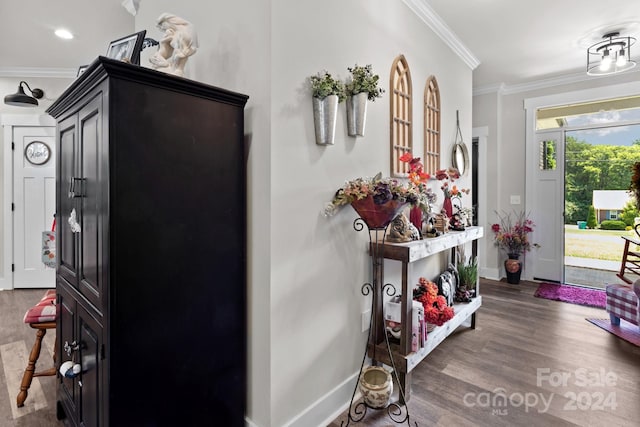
(627, 331)
(572, 294)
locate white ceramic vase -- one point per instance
(376, 386)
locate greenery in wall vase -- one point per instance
(324, 84)
(363, 80)
(360, 87)
(327, 92)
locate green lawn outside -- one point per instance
(595, 244)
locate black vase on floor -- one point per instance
(513, 267)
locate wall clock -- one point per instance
(37, 153)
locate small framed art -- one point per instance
(127, 48)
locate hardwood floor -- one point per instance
(529, 362)
(16, 340)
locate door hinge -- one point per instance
(13, 145)
(13, 206)
(102, 352)
(13, 268)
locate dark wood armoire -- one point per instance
(151, 230)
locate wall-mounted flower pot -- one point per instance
(325, 113)
(356, 113)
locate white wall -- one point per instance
(503, 113)
(305, 270)
(319, 264)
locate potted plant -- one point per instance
(378, 200)
(512, 236)
(361, 86)
(327, 93)
(467, 277)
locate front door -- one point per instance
(34, 200)
(547, 208)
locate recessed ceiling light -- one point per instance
(63, 34)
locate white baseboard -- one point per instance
(490, 273)
(335, 402)
(316, 414)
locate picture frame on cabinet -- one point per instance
(127, 48)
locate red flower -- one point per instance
(436, 310)
(406, 157)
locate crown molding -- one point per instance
(442, 30)
(54, 73)
(566, 79)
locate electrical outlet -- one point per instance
(366, 319)
(515, 200)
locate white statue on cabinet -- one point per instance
(178, 43)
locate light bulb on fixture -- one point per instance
(606, 60)
(622, 59)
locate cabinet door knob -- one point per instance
(68, 348)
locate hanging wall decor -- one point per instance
(362, 86)
(327, 93)
(460, 154)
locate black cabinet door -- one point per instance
(80, 341)
(68, 393)
(90, 357)
(90, 201)
(65, 202)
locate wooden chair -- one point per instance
(40, 317)
(630, 257)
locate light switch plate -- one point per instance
(515, 200)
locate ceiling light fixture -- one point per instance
(21, 99)
(612, 55)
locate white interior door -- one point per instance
(547, 209)
(34, 201)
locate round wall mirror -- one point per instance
(460, 158)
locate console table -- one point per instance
(404, 359)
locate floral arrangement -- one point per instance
(324, 84)
(418, 177)
(416, 172)
(381, 189)
(436, 310)
(512, 233)
(363, 80)
(449, 176)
